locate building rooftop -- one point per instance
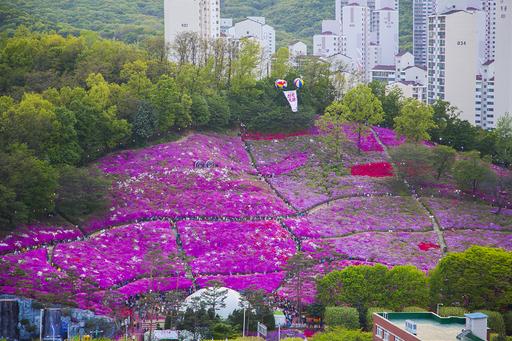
(476, 315)
(432, 327)
(384, 67)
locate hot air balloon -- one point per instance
(281, 84)
(298, 82)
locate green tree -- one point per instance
(365, 110)
(414, 162)
(295, 268)
(81, 192)
(280, 64)
(331, 125)
(503, 133)
(340, 334)
(406, 286)
(452, 311)
(357, 286)
(135, 73)
(415, 120)
(214, 297)
(443, 158)
(243, 71)
(496, 324)
(27, 183)
(165, 99)
(32, 122)
(200, 111)
(345, 317)
(218, 108)
(145, 122)
(391, 101)
(471, 171)
(477, 278)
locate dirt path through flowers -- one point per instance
(435, 223)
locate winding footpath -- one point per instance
(435, 223)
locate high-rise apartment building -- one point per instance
(385, 33)
(199, 16)
(503, 61)
(356, 30)
(422, 9)
(452, 60)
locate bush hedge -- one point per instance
(346, 317)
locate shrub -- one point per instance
(340, 334)
(479, 273)
(346, 317)
(369, 315)
(508, 322)
(414, 310)
(452, 311)
(496, 323)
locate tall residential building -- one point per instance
(385, 23)
(452, 60)
(487, 27)
(199, 16)
(356, 30)
(503, 62)
(421, 10)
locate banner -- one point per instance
(292, 98)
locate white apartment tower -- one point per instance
(452, 60)
(199, 16)
(385, 22)
(356, 30)
(421, 11)
(503, 62)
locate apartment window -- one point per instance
(380, 332)
(386, 335)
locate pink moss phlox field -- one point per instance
(303, 194)
(459, 214)
(224, 151)
(391, 248)
(30, 273)
(37, 234)
(228, 248)
(362, 214)
(458, 241)
(388, 137)
(158, 284)
(368, 142)
(287, 165)
(120, 255)
(164, 182)
(269, 282)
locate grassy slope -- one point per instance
(133, 20)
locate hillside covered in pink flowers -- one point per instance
(235, 210)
